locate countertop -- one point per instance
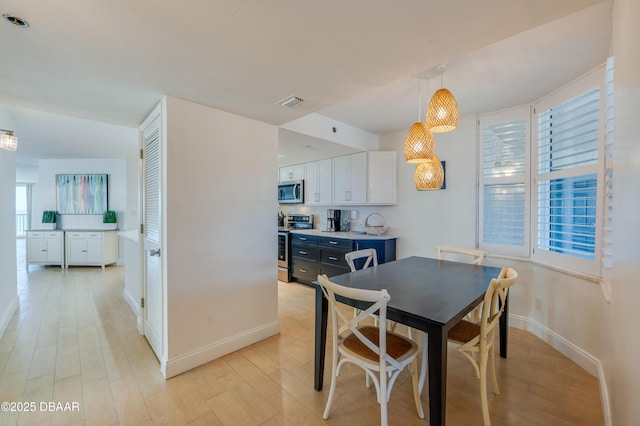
(345, 235)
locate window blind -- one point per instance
(567, 179)
(504, 190)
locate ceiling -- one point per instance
(91, 63)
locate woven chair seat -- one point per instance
(397, 346)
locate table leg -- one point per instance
(504, 327)
(322, 307)
(437, 375)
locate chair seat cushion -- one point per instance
(464, 331)
(398, 347)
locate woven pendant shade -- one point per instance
(429, 175)
(418, 144)
(442, 113)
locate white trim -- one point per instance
(200, 356)
(11, 309)
(576, 354)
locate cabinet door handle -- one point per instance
(303, 252)
(43, 250)
(333, 242)
(333, 258)
(303, 239)
(304, 271)
(84, 251)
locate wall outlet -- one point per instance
(538, 303)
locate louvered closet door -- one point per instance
(154, 303)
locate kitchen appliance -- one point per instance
(284, 244)
(338, 220)
(291, 192)
(291, 221)
(333, 220)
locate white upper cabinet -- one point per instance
(294, 172)
(317, 184)
(350, 179)
(382, 177)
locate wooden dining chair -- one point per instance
(458, 254)
(381, 353)
(476, 341)
(473, 256)
(370, 256)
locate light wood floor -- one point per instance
(74, 341)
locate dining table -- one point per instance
(427, 294)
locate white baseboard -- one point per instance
(193, 359)
(576, 354)
(6, 317)
(135, 307)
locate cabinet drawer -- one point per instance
(304, 251)
(91, 235)
(339, 243)
(304, 269)
(31, 234)
(332, 270)
(333, 257)
(304, 239)
(53, 235)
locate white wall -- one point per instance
(622, 347)
(44, 193)
(220, 233)
(8, 277)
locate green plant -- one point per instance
(49, 216)
(109, 217)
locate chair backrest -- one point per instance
(342, 323)
(474, 256)
(494, 300)
(370, 255)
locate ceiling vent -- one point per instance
(15, 20)
(290, 102)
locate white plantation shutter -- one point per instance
(568, 176)
(504, 188)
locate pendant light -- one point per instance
(442, 113)
(429, 175)
(419, 145)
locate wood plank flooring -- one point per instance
(74, 340)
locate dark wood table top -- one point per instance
(425, 291)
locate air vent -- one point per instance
(290, 102)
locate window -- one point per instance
(542, 174)
(504, 203)
(568, 144)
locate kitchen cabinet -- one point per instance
(317, 185)
(45, 248)
(293, 172)
(314, 253)
(382, 177)
(350, 179)
(91, 248)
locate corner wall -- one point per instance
(8, 276)
(220, 239)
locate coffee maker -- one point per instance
(333, 220)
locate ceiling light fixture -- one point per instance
(429, 175)
(8, 141)
(442, 113)
(419, 145)
(15, 20)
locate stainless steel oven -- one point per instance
(283, 255)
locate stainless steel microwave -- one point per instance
(291, 192)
